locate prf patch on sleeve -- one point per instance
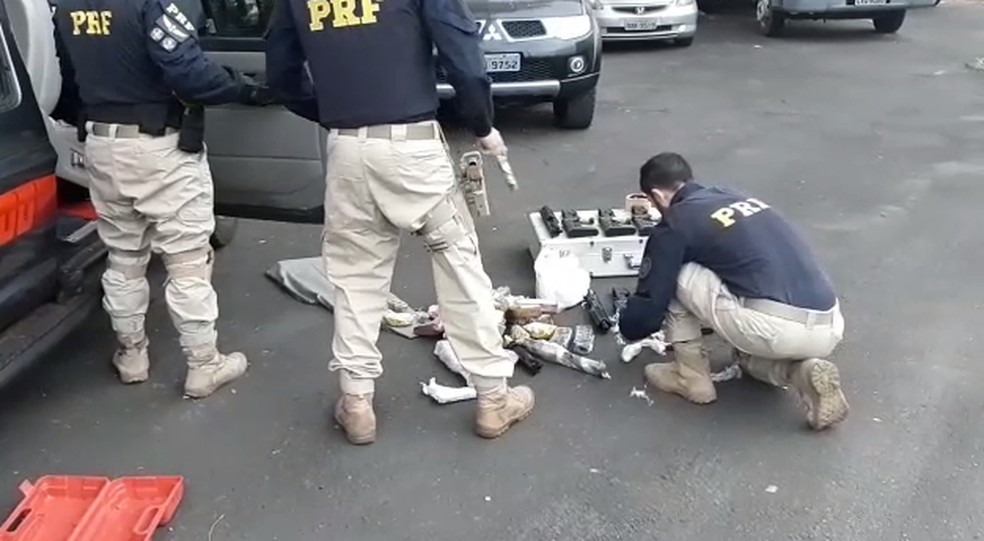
(172, 28)
(173, 10)
(645, 267)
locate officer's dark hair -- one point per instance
(666, 170)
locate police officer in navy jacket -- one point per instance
(142, 81)
(372, 84)
(733, 263)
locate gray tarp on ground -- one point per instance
(305, 280)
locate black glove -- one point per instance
(259, 95)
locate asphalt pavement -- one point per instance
(871, 143)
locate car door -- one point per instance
(28, 245)
(267, 163)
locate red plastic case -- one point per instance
(77, 508)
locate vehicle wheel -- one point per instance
(889, 23)
(684, 42)
(771, 22)
(225, 231)
(575, 113)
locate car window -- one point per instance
(9, 93)
(237, 18)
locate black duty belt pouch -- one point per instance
(152, 119)
(191, 138)
(80, 132)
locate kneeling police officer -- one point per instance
(136, 63)
(374, 87)
(733, 263)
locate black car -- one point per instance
(540, 51)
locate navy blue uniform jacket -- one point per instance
(755, 251)
(372, 62)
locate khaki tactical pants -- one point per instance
(769, 333)
(382, 180)
(152, 197)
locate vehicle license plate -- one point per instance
(641, 26)
(503, 62)
(870, 2)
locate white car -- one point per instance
(674, 20)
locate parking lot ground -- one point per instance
(871, 143)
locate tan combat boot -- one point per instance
(818, 383)
(500, 408)
(689, 375)
(131, 359)
(208, 370)
(353, 412)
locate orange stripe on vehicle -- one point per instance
(27, 206)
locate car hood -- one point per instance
(523, 9)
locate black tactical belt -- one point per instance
(388, 131)
(791, 313)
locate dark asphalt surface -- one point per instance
(871, 143)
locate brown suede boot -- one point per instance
(208, 370)
(689, 375)
(501, 408)
(818, 383)
(131, 359)
(354, 414)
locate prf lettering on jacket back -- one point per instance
(727, 217)
(343, 13)
(91, 23)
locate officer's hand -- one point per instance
(492, 144)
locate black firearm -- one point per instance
(575, 226)
(642, 222)
(600, 317)
(614, 226)
(527, 361)
(550, 221)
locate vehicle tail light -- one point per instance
(27, 206)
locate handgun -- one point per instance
(577, 227)
(599, 314)
(614, 226)
(642, 221)
(473, 184)
(550, 221)
(527, 361)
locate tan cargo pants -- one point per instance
(770, 334)
(152, 197)
(382, 180)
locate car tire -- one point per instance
(771, 22)
(889, 23)
(225, 231)
(576, 113)
(684, 42)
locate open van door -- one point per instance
(267, 163)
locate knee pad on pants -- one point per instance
(190, 297)
(125, 265)
(126, 293)
(445, 227)
(191, 264)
